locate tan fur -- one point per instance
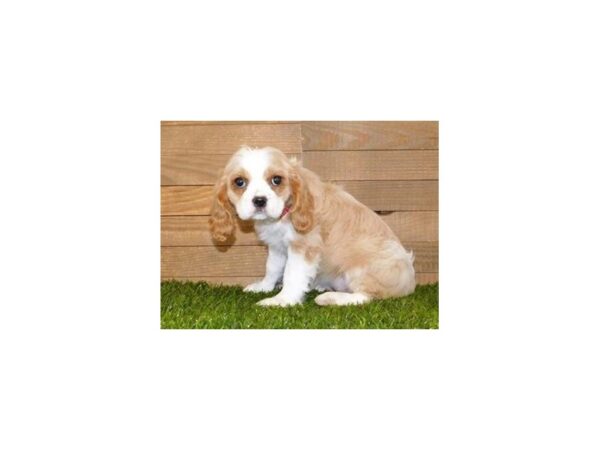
(303, 203)
(290, 189)
(356, 242)
(346, 238)
(221, 222)
(310, 245)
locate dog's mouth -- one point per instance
(260, 214)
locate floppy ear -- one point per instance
(302, 209)
(221, 222)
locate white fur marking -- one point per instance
(297, 278)
(275, 266)
(256, 162)
(341, 298)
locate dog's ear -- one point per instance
(303, 203)
(221, 222)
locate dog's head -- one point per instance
(260, 184)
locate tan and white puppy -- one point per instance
(318, 235)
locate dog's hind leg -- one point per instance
(342, 298)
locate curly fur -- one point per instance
(318, 235)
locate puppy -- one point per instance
(318, 236)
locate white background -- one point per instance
(84, 363)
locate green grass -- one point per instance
(200, 305)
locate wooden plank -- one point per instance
(219, 139)
(426, 255)
(224, 280)
(198, 168)
(409, 195)
(175, 123)
(395, 195)
(369, 135)
(185, 200)
(422, 278)
(250, 260)
(193, 230)
(413, 225)
(212, 261)
(194, 168)
(427, 277)
(373, 164)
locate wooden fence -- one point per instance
(392, 167)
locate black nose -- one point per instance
(259, 202)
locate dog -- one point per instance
(318, 236)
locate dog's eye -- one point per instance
(276, 180)
(240, 182)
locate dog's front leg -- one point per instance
(275, 265)
(297, 278)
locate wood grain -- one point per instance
(369, 135)
(388, 166)
(250, 260)
(409, 195)
(225, 139)
(224, 280)
(171, 123)
(194, 168)
(413, 225)
(193, 230)
(185, 200)
(426, 255)
(395, 195)
(427, 278)
(212, 261)
(422, 278)
(373, 164)
(199, 168)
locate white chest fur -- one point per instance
(275, 234)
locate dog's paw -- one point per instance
(277, 301)
(327, 298)
(259, 286)
(341, 298)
